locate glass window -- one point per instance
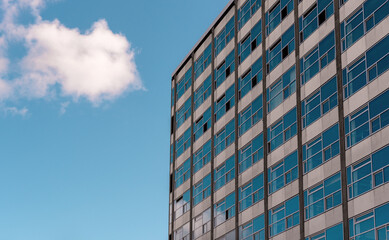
(284, 216)
(318, 58)
(225, 69)
(182, 173)
(202, 190)
(368, 173)
(367, 68)
(250, 116)
(279, 91)
(277, 14)
(203, 92)
(225, 36)
(247, 11)
(184, 113)
(322, 148)
(202, 224)
(183, 233)
(182, 204)
(225, 103)
(358, 24)
(225, 137)
(202, 124)
(370, 224)
(280, 50)
(283, 130)
(202, 156)
(251, 193)
(250, 79)
(332, 233)
(283, 173)
(253, 230)
(323, 197)
(225, 173)
(203, 61)
(319, 103)
(250, 42)
(225, 209)
(320, 12)
(183, 143)
(251, 153)
(184, 84)
(368, 120)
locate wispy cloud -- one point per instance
(63, 108)
(97, 65)
(14, 111)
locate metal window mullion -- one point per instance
(212, 129)
(174, 156)
(236, 48)
(342, 139)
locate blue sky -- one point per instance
(84, 149)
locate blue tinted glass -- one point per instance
(331, 135)
(380, 158)
(379, 104)
(381, 215)
(378, 51)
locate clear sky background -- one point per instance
(80, 161)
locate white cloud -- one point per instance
(96, 65)
(15, 111)
(64, 106)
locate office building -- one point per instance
(279, 124)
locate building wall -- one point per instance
(280, 120)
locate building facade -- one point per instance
(279, 124)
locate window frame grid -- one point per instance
(359, 12)
(272, 53)
(250, 42)
(202, 124)
(277, 209)
(315, 19)
(227, 139)
(318, 62)
(204, 227)
(291, 129)
(362, 61)
(318, 94)
(184, 84)
(223, 105)
(281, 5)
(246, 82)
(227, 174)
(201, 94)
(252, 7)
(222, 72)
(202, 190)
(359, 165)
(223, 205)
(181, 172)
(205, 157)
(281, 164)
(223, 38)
(201, 64)
(315, 189)
(366, 108)
(247, 116)
(184, 112)
(255, 195)
(291, 87)
(254, 157)
(313, 143)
